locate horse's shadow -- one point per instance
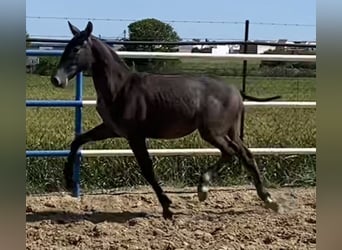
(63, 217)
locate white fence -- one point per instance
(213, 151)
(248, 104)
(238, 57)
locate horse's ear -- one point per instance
(89, 28)
(74, 29)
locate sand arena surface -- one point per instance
(231, 218)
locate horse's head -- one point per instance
(77, 56)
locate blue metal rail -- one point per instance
(48, 153)
(44, 52)
(50, 103)
(77, 104)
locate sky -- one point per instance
(120, 14)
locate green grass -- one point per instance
(53, 128)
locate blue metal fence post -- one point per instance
(78, 131)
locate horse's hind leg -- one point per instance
(248, 160)
(139, 149)
(100, 132)
(212, 171)
(228, 147)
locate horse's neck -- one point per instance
(109, 73)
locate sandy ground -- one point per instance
(231, 218)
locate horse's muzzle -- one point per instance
(57, 82)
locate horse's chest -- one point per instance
(104, 113)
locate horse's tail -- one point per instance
(252, 98)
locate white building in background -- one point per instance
(311, 43)
(261, 49)
(234, 49)
(220, 50)
(225, 49)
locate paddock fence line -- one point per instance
(78, 103)
(172, 55)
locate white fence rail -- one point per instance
(171, 55)
(194, 151)
(239, 57)
(249, 104)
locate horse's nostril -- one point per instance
(55, 81)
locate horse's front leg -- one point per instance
(139, 149)
(98, 133)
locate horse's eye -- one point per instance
(75, 49)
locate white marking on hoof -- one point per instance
(204, 189)
(269, 200)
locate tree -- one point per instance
(151, 29)
(47, 65)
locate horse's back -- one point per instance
(190, 95)
(182, 85)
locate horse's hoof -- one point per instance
(167, 214)
(202, 196)
(202, 193)
(273, 205)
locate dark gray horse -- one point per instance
(137, 106)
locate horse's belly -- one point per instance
(171, 130)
